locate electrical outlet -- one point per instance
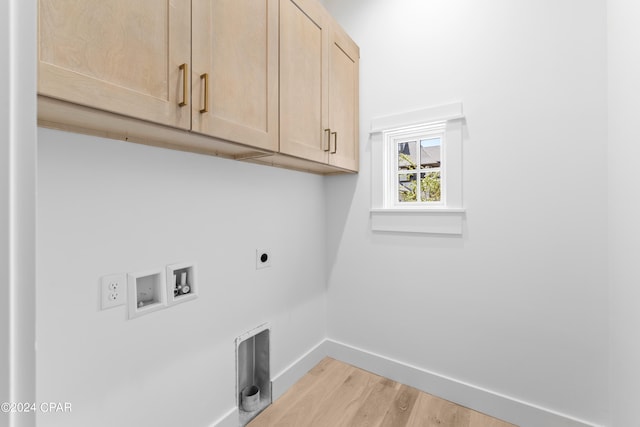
(114, 290)
(263, 258)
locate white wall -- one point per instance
(106, 206)
(624, 208)
(5, 206)
(518, 305)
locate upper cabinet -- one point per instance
(235, 70)
(304, 79)
(273, 81)
(344, 117)
(319, 68)
(118, 55)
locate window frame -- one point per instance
(387, 213)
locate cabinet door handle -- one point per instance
(335, 141)
(205, 77)
(328, 132)
(185, 71)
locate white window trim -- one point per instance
(442, 218)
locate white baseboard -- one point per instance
(291, 374)
(500, 406)
(506, 408)
(230, 419)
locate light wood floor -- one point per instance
(335, 394)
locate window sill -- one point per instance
(418, 220)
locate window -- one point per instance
(417, 171)
(417, 165)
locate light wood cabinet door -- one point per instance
(304, 45)
(235, 70)
(344, 65)
(121, 56)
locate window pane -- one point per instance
(407, 155)
(430, 186)
(430, 153)
(407, 187)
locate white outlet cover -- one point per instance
(113, 290)
(263, 258)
